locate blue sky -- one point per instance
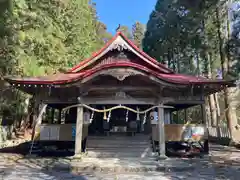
(124, 12)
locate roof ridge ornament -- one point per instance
(118, 44)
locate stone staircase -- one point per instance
(119, 146)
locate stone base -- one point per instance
(114, 165)
(132, 165)
(162, 157)
(77, 157)
(174, 164)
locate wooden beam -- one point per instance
(111, 100)
(118, 101)
(123, 88)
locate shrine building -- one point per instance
(119, 89)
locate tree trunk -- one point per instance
(229, 93)
(169, 59)
(198, 64)
(212, 104)
(217, 108)
(231, 113)
(208, 112)
(213, 110)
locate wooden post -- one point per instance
(206, 123)
(79, 127)
(178, 117)
(52, 116)
(162, 150)
(204, 116)
(185, 115)
(35, 114)
(59, 115)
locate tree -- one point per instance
(43, 37)
(101, 28)
(192, 38)
(138, 30)
(102, 33)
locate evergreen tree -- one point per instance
(43, 37)
(193, 38)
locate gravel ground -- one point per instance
(223, 163)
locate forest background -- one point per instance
(200, 38)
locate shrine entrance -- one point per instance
(123, 134)
(119, 122)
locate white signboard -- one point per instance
(49, 132)
(44, 133)
(54, 133)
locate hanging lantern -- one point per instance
(154, 117)
(127, 116)
(86, 117)
(145, 118)
(109, 116)
(138, 115)
(104, 114)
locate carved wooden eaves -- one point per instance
(119, 44)
(121, 74)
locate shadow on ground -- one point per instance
(24, 149)
(222, 163)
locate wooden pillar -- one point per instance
(51, 120)
(206, 123)
(185, 115)
(59, 115)
(204, 116)
(79, 127)
(35, 114)
(162, 150)
(178, 117)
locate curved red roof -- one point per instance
(62, 78)
(153, 68)
(149, 59)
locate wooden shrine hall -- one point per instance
(116, 86)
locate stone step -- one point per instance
(130, 165)
(118, 141)
(120, 155)
(117, 149)
(120, 137)
(126, 145)
(129, 161)
(109, 165)
(115, 146)
(118, 146)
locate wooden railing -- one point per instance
(219, 132)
